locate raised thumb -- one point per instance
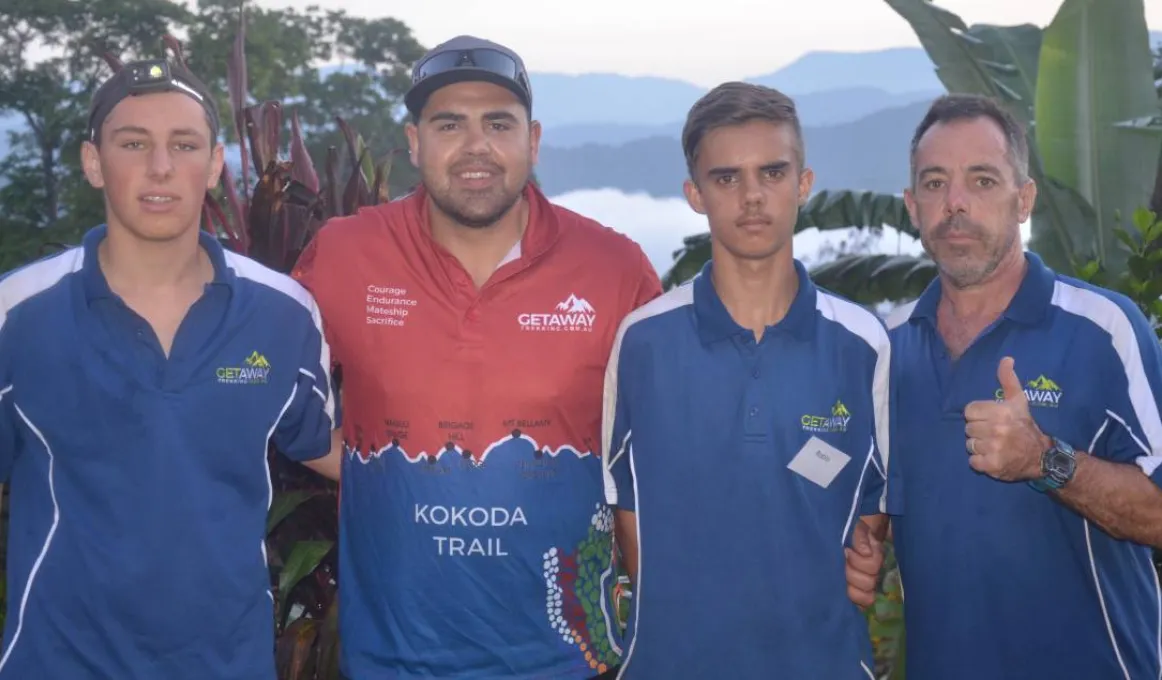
(1010, 383)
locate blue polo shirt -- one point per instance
(1002, 581)
(747, 466)
(139, 483)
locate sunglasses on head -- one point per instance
(484, 59)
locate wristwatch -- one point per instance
(1058, 463)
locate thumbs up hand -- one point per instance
(1003, 441)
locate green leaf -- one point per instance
(1096, 71)
(284, 504)
(304, 558)
(1139, 267)
(1088, 271)
(1063, 226)
(831, 209)
(1142, 219)
(1124, 236)
(998, 61)
(870, 279)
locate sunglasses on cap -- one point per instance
(481, 58)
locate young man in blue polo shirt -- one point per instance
(142, 376)
(1030, 458)
(746, 427)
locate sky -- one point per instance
(704, 43)
(687, 41)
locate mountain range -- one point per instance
(604, 130)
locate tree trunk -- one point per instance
(47, 167)
(1156, 199)
(51, 183)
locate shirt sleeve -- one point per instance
(308, 272)
(616, 433)
(893, 465)
(1133, 429)
(649, 285)
(879, 497)
(8, 417)
(304, 431)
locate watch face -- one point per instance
(1059, 463)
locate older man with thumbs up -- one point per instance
(1029, 453)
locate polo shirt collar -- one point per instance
(97, 286)
(1028, 306)
(715, 323)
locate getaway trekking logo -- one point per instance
(573, 314)
(836, 422)
(1042, 392)
(254, 371)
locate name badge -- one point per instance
(819, 462)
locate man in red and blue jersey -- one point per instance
(142, 376)
(472, 320)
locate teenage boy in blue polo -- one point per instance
(1031, 453)
(746, 428)
(142, 375)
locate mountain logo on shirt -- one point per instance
(573, 314)
(575, 305)
(836, 422)
(1041, 391)
(255, 370)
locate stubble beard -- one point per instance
(475, 209)
(957, 264)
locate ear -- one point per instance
(91, 164)
(535, 141)
(806, 181)
(413, 134)
(217, 160)
(1027, 198)
(693, 196)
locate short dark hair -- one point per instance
(735, 103)
(953, 107)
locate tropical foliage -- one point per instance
(50, 63)
(1085, 88)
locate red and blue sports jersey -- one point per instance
(474, 539)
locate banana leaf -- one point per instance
(1095, 98)
(870, 279)
(998, 61)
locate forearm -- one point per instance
(625, 531)
(1118, 497)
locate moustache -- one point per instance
(960, 224)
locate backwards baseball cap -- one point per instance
(148, 77)
(467, 58)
